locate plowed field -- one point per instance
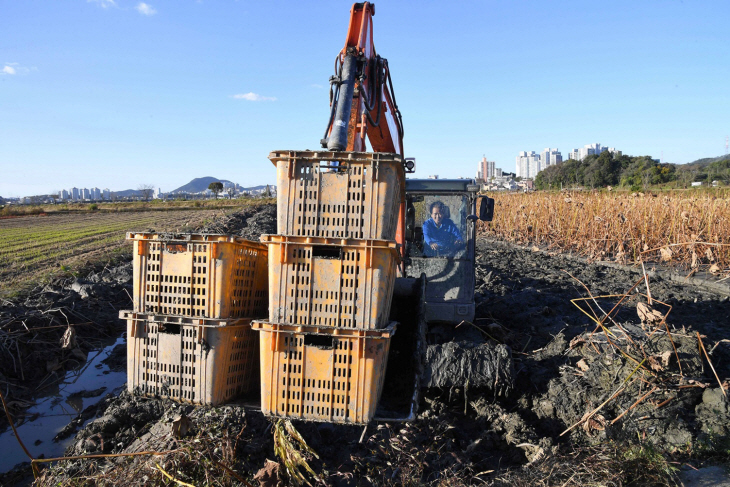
(34, 246)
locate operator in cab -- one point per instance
(441, 235)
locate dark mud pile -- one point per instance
(566, 375)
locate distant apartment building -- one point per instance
(65, 194)
(591, 149)
(74, 194)
(485, 169)
(85, 194)
(531, 163)
(528, 164)
(550, 157)
(96, 194)
(107, 194)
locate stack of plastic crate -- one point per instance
(189, 335)
(332, 269)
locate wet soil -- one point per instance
(563, 375)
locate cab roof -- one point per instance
(438, 185)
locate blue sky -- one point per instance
(121, 93)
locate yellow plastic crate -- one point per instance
(202, 276)
(322, 374)
(338, 194)
(190, 360)
(343, 283)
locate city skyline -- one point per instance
(102, 93)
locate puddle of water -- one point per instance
(54, 411)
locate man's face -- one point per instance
(436, 215)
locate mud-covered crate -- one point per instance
(322, 374)
(191, 360)
(344, 283)
(338, 194)
(202, 276)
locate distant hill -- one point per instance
(700, 163)
(199, 184)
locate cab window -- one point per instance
(440, 229)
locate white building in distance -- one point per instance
(591, 149)
(531, 163)
(528, 164)
(550, 157)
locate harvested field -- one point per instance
(628, 423)
(38, 245)
(688, 231)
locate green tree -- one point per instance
(216, 188)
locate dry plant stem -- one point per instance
(599, 323)
(179, 482)
(635, 404)
(592, 413)
(646, 280)
(589, 294)
(724, 340)
(613, 396)
(232, 473)
(679, 363)
(664, 403)
(625, 295)
(702, 347)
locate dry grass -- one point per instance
(610, 464)
(690, 231)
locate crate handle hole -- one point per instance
(326, 252)
(319, 341)
(170, 328)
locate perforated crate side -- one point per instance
(321, 376)
(338, 194)
(170, 360)
(314, 281)
(200, 278)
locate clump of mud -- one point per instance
(249, 223)
(628, 383)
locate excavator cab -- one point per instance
(435, 290)
(443, 251)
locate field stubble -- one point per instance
(691, 232)
(37, 246)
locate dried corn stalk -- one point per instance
(293, 451)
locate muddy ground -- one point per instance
(633, 393)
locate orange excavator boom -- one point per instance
(361, 96)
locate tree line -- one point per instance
(635, 172)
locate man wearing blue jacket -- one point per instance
(441, 235)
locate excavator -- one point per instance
(434, 290)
